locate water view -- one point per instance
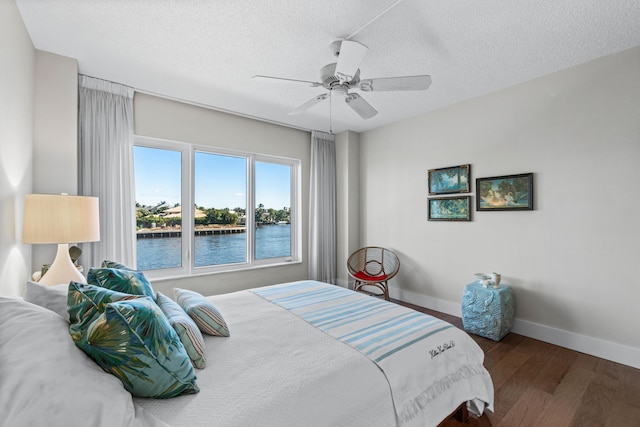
(272, 241)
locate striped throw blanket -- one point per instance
(421, 356)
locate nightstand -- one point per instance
(487, 312)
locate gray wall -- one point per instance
(571, 261)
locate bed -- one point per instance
(299, 354)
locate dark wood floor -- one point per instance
(540, 384)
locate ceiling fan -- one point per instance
(341, 77)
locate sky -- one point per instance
(220, 181)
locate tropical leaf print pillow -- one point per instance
(121, 280)
(133, 340)
(112, 264)
(86, 302)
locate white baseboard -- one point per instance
(443, 306)
(615, 352)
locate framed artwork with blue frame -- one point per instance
(454, 179)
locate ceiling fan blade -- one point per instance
(312, 84)
(396, 83)
(351, 55)
(360, 106)
(310, 103)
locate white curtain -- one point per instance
(322, 208)
(105, 157)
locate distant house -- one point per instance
(242, 218)
(176, 212)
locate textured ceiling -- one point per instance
(206, 51)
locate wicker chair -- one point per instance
(373, 266)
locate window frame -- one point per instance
(188, 151)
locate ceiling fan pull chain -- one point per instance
(330, 109)
(394, 4)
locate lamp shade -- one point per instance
(53, 218)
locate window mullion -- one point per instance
(251, 209)
(187, 209)
(294, 213)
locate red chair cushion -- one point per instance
(361, 275)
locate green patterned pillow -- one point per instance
(187, 330)
(134, 341)
(112, 264)
(86, 302)
(202, 311)
(127, 281)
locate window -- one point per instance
(244, 211)
(158, 178)
(221, 200)
(272, 212)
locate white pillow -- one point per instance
(47, 380)
(52, 297)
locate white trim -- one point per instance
(615, 352)
(188, 152)
(443, 306)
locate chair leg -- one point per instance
(386, 291)
(357, 285)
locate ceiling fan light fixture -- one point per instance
(341, 90)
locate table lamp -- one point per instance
(60, 219)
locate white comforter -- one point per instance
(279, 370)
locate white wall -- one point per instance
(17, 58)
(55, 124)
(572, 261)
(165, 119)
(347, 201)
(55, 134)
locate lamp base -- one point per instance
(62, 270)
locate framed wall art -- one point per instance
(505, 193)
(456, 208)
(454, 179)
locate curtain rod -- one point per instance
(198, 104)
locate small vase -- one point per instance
(483, 279)
(495, 278)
